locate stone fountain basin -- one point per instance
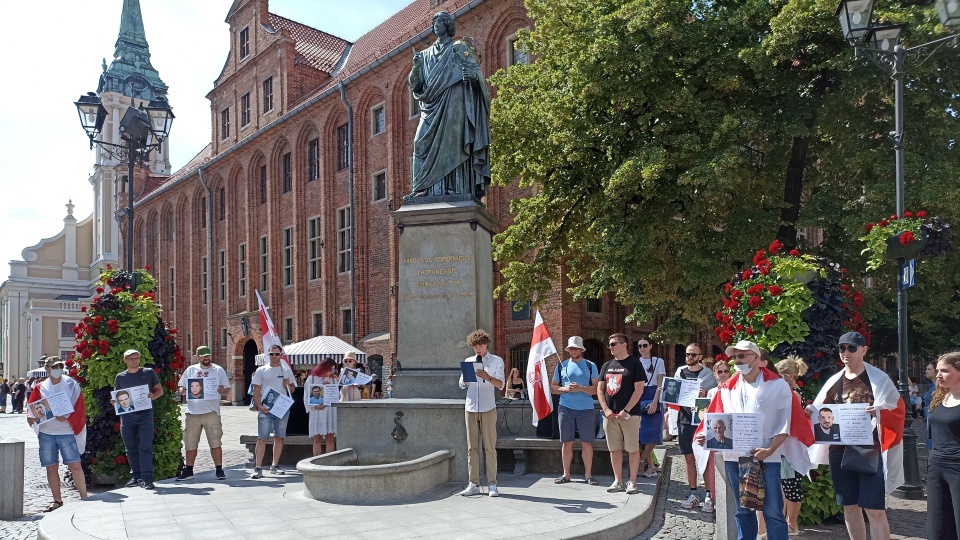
(344, 476)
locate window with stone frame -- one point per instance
(594, 305)
(379, 186)
(225, 123)
(346, 321)
(343, 147)
(317, 324)
(344, 247)
(244, 43)
(286, 172)
(314, 249)
(378, 119)
(288, 329)
(313, 160)
(515, 53)
(267, 95)
(245, 110)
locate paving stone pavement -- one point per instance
(36, 490)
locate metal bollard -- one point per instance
(11, 473)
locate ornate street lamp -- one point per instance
(882, 46)
(142, 130)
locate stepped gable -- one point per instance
(156, 184)
(313, 47)
(400, 27)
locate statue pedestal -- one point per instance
(445, 292)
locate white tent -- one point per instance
(39, 372)
(313, 350)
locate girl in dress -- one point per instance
(323, 416)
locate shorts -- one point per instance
(623, 434)
(866, 490)
(585, 422)
(50, 445)
(268, 423)
(207, 422)
(686, 438)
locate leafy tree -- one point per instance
(661, 139)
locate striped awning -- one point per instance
(312, 351)
(39, 372)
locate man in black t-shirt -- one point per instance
(620, 388)
(693, 369)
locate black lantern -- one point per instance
(884, 38)
(161, 118)
(854, 18)
(92, 114)
(949, 11)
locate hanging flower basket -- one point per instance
(913, 236)
(906, 245)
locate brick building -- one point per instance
(304, 124)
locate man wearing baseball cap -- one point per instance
(864, 491)
(203, 415)
(783, 433)
(575, 379)
(136, 428)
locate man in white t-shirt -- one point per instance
(203, 415)
(277, 376)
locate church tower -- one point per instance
(129, 80)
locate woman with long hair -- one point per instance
(514, 385)
(943, 463)
(323, 416)
(791, 369)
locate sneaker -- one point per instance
(257, 473)
(275, 469)
(492, 488)
(615, 487)
(708, 504)
(632, 488)
(220, 474)
(147, 484)
(185, 473)
(134, 482)
(691, 501)
(471, 489)
(650, 472)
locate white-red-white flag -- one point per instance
(538, 382)
(267, 330)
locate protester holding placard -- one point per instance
(349, 390)
(280, 378)
(943, 469)
(136, 428)
(323, 416)
(203, 411)
(782, 430)
(863, 475)
(65, 434)
(693, 370)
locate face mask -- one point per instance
(56, 373)
(742, 369)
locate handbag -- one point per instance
(861, 458)
(753, 483)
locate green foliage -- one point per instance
(125, 316)
(657, 137)
(819, 500)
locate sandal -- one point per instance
(591, 481)
(53, 506)
(561, 480)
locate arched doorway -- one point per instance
(250, 352)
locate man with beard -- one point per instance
(826, 430)
(693, 370)
(575, 379)
(203, 414)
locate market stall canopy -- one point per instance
(39, 372)
(312, 351)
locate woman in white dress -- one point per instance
(323, 416)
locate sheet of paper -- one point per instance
(842, 423)
(128, 400)
(277, 403)
(699, 408)
(682, 392)
(331, 393)
(738, 432)
(50, 407)
(469, 370)
(203, 389)
(354, 377)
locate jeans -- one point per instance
(772, 504)
(137, 433)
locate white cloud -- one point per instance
(52, 54)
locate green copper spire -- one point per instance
(130, 73)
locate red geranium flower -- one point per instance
(146, 267)
(756, 288)
(760, 256)
(922, 214)
(750, 314)
(819, 354)
(99, 290)
(746, 274)
(739, 327)
(764, 267)
(83, 309)
(908, 214)
(727, 287)
(794, 253)
(737, 294)
(800, 383)
(816, 375)
(775, 247)
(894, 217)
(769, 320)
(775, 290)
(869, 227)
(120, 460)
(883, 223)
(756, 301)
(906, 238)
(719, 316)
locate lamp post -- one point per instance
(881, 44)
(142, 129)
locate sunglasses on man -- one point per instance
(848, 348)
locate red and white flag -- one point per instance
(538, 382)
(269, 333)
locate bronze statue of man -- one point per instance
(452, 144)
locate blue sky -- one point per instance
(52, 54)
